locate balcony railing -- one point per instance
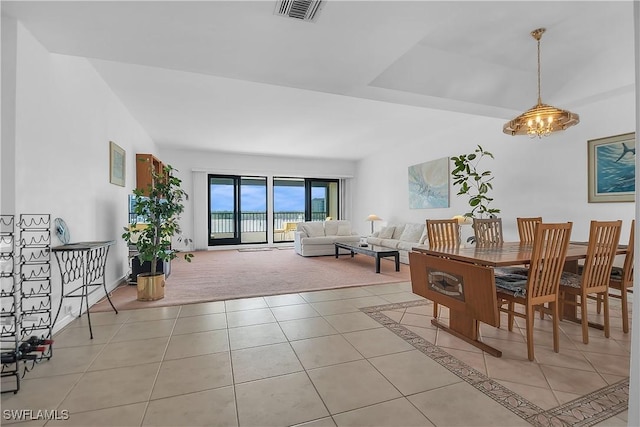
(223, 222)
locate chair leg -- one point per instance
(529, 320)
(625, 311)
(598, 303)
(605, 297)
(435, 310)
(556, 326)
(584, 318)
(511, 316)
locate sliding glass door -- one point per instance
(322, 199)
(302, 199)
(237, 210)
(288, 207)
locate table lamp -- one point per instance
(372, 218)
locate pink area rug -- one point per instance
(222, 275)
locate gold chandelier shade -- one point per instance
(542, 119)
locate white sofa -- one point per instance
(318, 237)
(403, 237)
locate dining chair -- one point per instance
(488, 231)
(621, 279)
(527, 228)
(604, 237)
(540, 285)
(442, 232)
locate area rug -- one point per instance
(223, 275)
(588, 410)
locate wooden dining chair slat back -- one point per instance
(541, 285)
(442, 232)
(621, 279)
(488, 231)
(527, 228)
(604, 237)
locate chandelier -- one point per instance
(542, 119)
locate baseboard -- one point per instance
(94, 297)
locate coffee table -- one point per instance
(373, 251)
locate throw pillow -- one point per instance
(313, 229)
(398, 231)
(412, 233)
(344, 230)
(331, 228)
(386, 232)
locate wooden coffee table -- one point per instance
(373, 251)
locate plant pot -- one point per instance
(138, 268)
(150, 287)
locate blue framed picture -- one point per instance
(612, 169)
(429, 184)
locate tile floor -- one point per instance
(310, 358)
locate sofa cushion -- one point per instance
(344, 230)
(389, 243)
(374, 240)
(352, 238)
(323, 240)
(386, 232)
(398, 231)
(313, 229)
(331, 227)
(412, 232)
(405, 246)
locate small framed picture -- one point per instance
(117, 170)
(612, 169)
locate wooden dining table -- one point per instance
(462, 278)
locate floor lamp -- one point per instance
(372, 218)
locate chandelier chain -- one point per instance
(539, 96)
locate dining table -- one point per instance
(462, 278)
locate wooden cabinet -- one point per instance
(145, 164)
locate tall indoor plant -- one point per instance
(154, 222)
(474, 182)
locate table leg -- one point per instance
(337, 249)
(377, 263)
(397, 257)
(467, 329)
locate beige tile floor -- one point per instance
(308, 358)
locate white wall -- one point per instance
(193, 167)
(65, 116)
(7, 123)
(533, 177)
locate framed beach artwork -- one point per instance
(429, 184)
(612, 169)
(116, 164)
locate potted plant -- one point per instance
(474, 183)
(153, 224)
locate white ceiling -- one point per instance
(226, 75)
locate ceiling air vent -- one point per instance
(306, 10)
